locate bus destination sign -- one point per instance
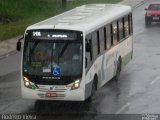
(56, 35)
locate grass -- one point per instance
(16, 15)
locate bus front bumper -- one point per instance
(61, 93)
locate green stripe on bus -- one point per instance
(126, 59)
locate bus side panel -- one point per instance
(96, 69)
(126, 51)
(111, 62)
(104, 67)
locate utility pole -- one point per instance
(64, 4)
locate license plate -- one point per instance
(155, 18)
(50, 94)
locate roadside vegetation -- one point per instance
(16, 15)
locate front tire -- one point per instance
(93, 91)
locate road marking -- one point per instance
(155, 80)
(123, 108)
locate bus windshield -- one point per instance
(52, 58)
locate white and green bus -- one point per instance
(70, 56)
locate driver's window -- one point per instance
(88, 55)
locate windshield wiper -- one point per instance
(34, 47)
(31, 50)
(63, 50)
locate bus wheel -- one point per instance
(118, 71)
(93, 91)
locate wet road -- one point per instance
(137, 92)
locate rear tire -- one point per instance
(118, 71)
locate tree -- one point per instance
(64, 4)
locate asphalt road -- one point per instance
(137, 92)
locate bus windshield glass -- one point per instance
(41, 58)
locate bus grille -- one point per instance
(58, 97)
(60, 91)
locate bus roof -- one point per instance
(85, 18)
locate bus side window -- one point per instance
(111, 26)
(123, 22)
(98, 42)
(117, 32)
(108, 36)
(130, 24)
(88, 55)
(121, 32)
(94, 45)
(101, 39)
(105, 38)
(114, 33)
(126, 26)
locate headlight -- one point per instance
(26, 82)
(25, 78)
(76, 85)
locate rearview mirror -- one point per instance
(18, 46)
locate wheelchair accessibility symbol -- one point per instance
(56, 71)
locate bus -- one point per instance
(68, 57)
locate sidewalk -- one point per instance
(9, 45)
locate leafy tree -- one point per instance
(64, 4)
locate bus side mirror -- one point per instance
(18, 46)
(88, 47)
(145, 9)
